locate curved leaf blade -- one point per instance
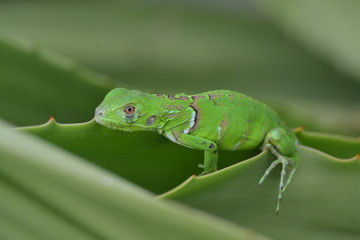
(328, 27)
(146, 158)
(230, 193)
(36, 83)
(81, 201)
(324, 187)
(339, 146)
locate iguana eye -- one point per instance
(129, 109)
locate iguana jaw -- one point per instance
(108, 123)
(112, 124)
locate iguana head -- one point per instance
(128, 110)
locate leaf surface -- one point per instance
(323, 187)
(48, 193)
(320, 203)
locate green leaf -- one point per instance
(178, 47)
(327, 27)
(324, 184)
(48, 193)
(143, 45)
(320, 203)
(37, 83)
(155, 167)
(339, 146)
(319, 116)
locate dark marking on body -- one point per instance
(195, 97)
(197, 117)
(176, 135)
(197, 112)
(211, 146)
(223, 124)
(211, 98)
(178, 107)
(171, 97)
(185, 98)
(151, 120)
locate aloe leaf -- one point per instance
(155, 167)
(327, 27)
(323, 181)
(48, 193)
(320, 203)
(36, 83)
(178, 47)
(339, 146)
(320, 116)
(52, 85)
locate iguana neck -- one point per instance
(174, 110)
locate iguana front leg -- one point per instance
(199, 143)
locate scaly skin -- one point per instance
(210, 121)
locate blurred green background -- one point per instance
(60, 58)
(300, 57)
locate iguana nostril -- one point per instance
(99, 112)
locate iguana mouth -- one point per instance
(108, 123)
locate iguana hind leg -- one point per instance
(284, 148)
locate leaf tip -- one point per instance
(299, 129)
(51, 120)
